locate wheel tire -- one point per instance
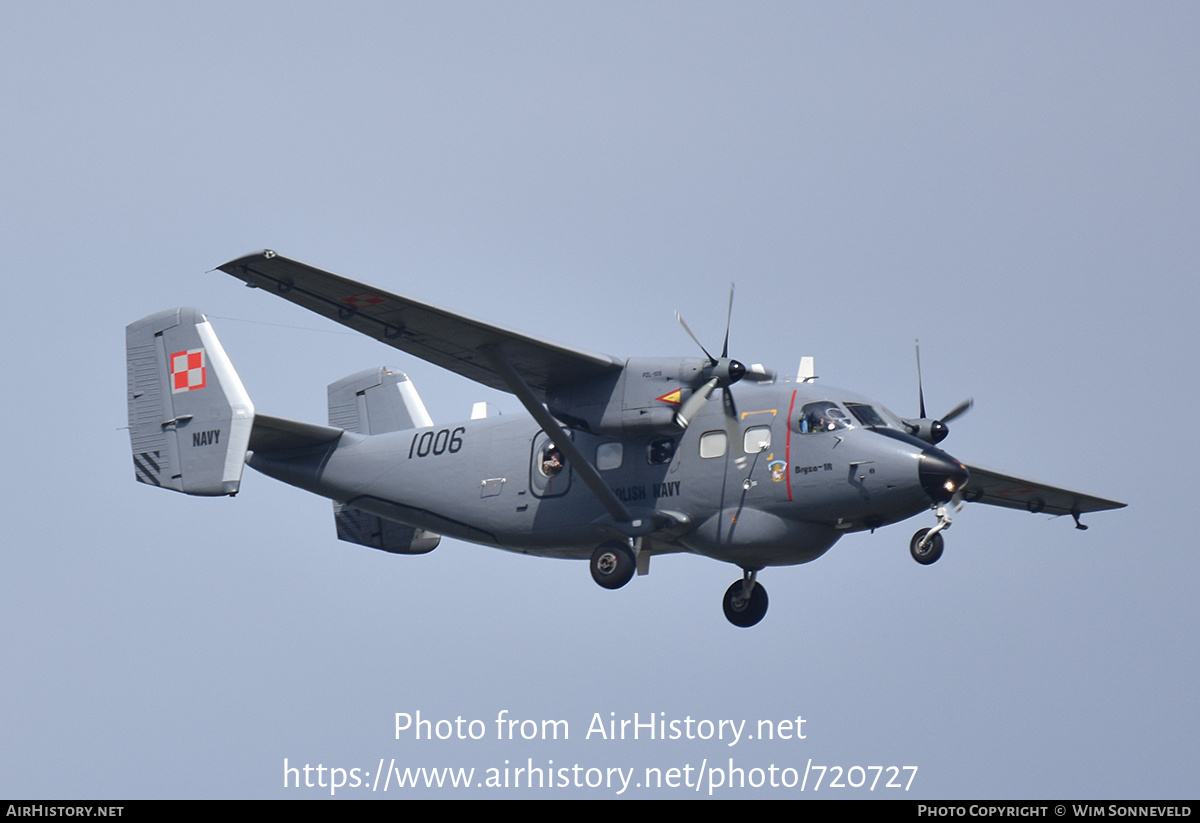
(750, 612)
(613, 564)
(931, 552)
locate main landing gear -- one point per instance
(613, 564)
(927, 544)
(745, 601)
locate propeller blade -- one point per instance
(692, 335)
(920, 387)
(694, 404)
(929, 430)
(728, 320)
(957, 500)
(723, 373)
(757, 373)
(959, 409)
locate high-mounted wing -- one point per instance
(996, 489)
(495, 357)
(443, 338)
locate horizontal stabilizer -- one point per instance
(275, 433)
(357, 526)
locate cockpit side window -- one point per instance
(822, 416)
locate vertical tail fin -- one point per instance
(377, 401)
(189, 415)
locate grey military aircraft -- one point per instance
(622, 459)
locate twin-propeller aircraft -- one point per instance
(623, 459)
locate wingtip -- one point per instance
(260, 254)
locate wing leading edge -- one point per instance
(996, 489)
(441, 337)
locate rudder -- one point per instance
(189, 415)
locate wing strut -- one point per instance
(587, 472)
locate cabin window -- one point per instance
(660, 450)
(822, 416)
(550, 463)
(608, 456)
(712, 444)
(757, 439)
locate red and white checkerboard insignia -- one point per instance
(187, 370)
(362, 299)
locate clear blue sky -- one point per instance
(1015, 184)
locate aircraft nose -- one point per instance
(941, 475)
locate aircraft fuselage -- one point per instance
(755, 488)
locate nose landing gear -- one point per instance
(927, 544)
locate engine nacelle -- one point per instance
(642, 399)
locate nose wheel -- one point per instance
(927, 544)
(745, 601)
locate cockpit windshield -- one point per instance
(827, 416)
(822, 416)
(867, 415)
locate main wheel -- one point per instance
(613, 564)
(747, 612)
(931, 552)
